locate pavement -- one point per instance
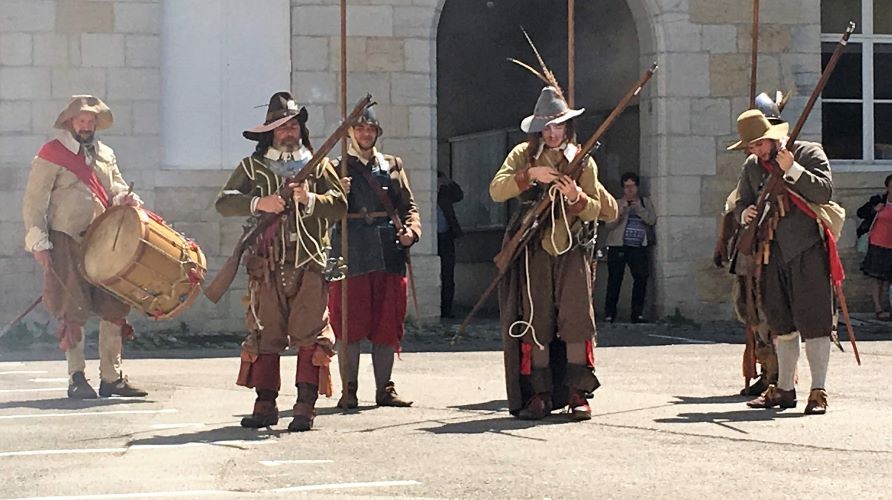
(666, 424)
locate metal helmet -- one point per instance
(369, 116)
(771, 108)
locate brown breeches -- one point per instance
(796, 293)
(67, 295)
(287, 307)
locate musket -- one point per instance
(775, 185)
(755, 54)
(534, 218)
(256, 225)
(21, 316)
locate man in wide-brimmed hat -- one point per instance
(287, 294)
(378, 189)
(73, 179)
(548, 323)
(744, 289)
(796, 295)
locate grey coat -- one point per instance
(797, 231)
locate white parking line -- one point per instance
(125, 449)
(47, 380)
(276, 463)
(342, 486)
(89, 413)
(24, 372)
(138, 494)
(42, 389)
(683, 339)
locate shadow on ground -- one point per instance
(218, 436)
(72, 404)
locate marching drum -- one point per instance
(134, 255)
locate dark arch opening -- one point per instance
(481, 98)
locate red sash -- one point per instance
(55, 152)
(837, 272)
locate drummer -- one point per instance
(73, 179)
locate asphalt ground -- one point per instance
(666, 424)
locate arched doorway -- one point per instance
(481, 99)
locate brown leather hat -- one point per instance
(282, 108)
(752, 126)
(89, 104)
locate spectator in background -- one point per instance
(877, 224)
(448, 230)
(627, 240)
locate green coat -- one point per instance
(253, 178)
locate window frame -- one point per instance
(867, 39)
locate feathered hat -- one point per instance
(551, 107)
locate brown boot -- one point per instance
(265, 414)
(387, 396)
(304, 415)
(817, 402)
(304, 409)
(349, 400)
(537, 408)
(775, 397)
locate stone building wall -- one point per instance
(706, 54)
(390, 51)
(705, 51)
(50, 49)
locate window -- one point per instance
(857, 102)
(220, 60)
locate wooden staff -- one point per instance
(345, 249)
(21, 316)
(571, 52)
(845, 313)
(749, 359)
(755, 54)
(121, 221)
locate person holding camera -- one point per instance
(627, 240)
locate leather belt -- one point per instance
(369, 217)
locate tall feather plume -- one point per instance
(530, 69)
(781, 99)
(545, 75)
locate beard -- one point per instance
(288, 144)
(85, 136)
